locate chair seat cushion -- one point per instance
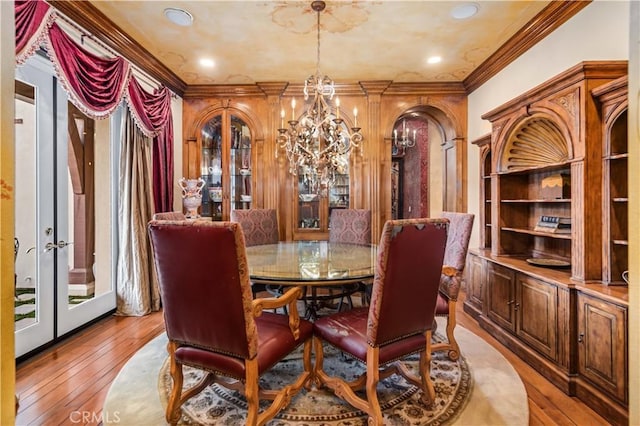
(275, 341)
(347, 331)
(442, 305)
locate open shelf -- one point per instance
(560, 236)
(555, 200)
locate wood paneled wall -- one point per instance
(379, 103)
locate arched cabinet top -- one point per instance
(237, 109)
(534, 142)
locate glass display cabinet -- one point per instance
(313, 209)
(225, 164)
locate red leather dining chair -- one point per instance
(455, 258)
(399, 319)
(169, 216)
(214, 324)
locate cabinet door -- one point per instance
(314, 204)
(226, 166)
(602, 345)
(536, 312)
(240, 167)
(501, 296)
(474, 281)
(212, 165)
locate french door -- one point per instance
(59, 284)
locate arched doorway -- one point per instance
(425, 177)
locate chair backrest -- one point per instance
(260, 226)
(169, 216)
(204, 284)
(351, 226)
(460, 226)
(407, 277)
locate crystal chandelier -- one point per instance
(405, 141)
(318, 144)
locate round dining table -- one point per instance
(313, 264)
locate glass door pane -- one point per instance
(212, 168)
(34, 208)
(240, 163)
(25, 250)
(339, 193)
(85, 229)
(308, 204)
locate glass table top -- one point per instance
(310, 262)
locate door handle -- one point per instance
(61, 244)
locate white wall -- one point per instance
(598, 32)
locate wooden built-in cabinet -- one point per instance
(484, 143)
(313, 210)
(558, 153)
(614, 105)
(225, 166)
(475, 270)
(525, 306)
(475, 284)
(501, 294)
(602, 346)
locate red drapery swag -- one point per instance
(97, 85)
(30, 24)
(152, 112)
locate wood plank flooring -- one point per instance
(67, 384)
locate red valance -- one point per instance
(151, 111)
(30, 23)
(95, 85)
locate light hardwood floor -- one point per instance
(67, 384)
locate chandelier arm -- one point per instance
(318, 145)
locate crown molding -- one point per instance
(91, 19)
(543, 24)
(87, 16)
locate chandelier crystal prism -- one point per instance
(318, 144)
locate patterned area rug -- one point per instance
(399, 400)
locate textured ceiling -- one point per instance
(260, 41)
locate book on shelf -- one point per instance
(554, 224)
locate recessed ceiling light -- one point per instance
(206, 62)
(434, 60)
(465, 11)
(178, 16)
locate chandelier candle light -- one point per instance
(405, 141)
(318, 145)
